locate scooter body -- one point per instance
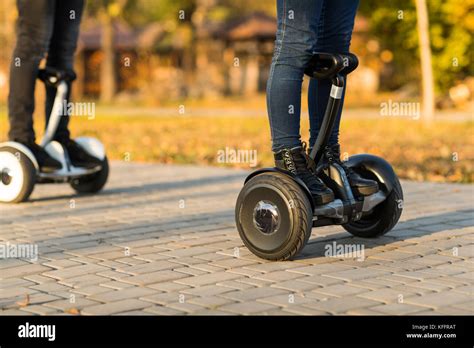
(18, 166)
(275, 210)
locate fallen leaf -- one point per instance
(24, 303)
(74, 311)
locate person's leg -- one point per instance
(35, 20)
(295, 42)
(63, 44)
(34, 26)
(61, 56)
(334, 36)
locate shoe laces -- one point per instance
(333, 157)
(311, 165)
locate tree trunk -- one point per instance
(425, 55)
(108, 79)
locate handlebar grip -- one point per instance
(351, 62)
(327, 65)
(52, 77)
(324, 65)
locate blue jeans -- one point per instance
(304, 27)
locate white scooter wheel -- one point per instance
(92, 183)
(17, 175)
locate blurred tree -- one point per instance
(107, 11)
(184, 19)
(426, 65)
(451, 26)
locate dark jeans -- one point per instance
(44, 27)
(304, 27)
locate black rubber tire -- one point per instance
(29, 175)
(92, 183)
(383, 217)
(301, 216)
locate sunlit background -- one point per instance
(175, 81)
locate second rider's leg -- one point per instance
(34, 25)
(334, 36)
(61, 56)
(295, 41)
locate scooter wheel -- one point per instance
(18, 175)
(384, 216)
(273, 216)
(94, 182)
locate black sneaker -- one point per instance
(359, 185)
(46, 163)
(80, 157)
(295, 161)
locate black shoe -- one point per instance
(46, 163)
(359, 185)
(295, 161)
(80, 157)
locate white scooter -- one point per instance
(19, 169)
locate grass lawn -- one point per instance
(442, 151)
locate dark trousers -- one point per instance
(44, 27)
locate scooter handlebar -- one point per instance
(327, 65)
(53, 77)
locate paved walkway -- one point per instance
(162, 240)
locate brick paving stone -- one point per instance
(85, 280)
(239, 284)
(428, 257)
(325, 269)
(76, 271)
(341, 305)
(287, 300)
(466, 289)
(23, 270)
(165, 298)
(211, 302)
(168, 287)
(438, 300)
(302, 310)
(115, 307)
(91, 290)
(232, 263)
(12, 312)
(253, 294)
(340, 290)
(187, 252)
(64, 305)
(357, 274)
(295, 285)
(250, 307)
(154, 277)
(162, 310)
(116, 295)
(362, 311)
(206, 279)
(321, 280)
(207, 290)
(388, 295)
(278, 276)
(40, 310)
